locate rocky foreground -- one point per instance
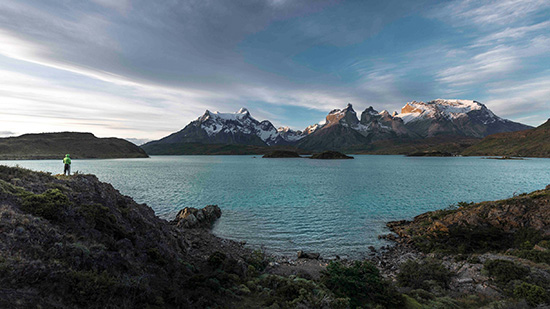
(75, 242)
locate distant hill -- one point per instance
(56, 145)
(527, 143)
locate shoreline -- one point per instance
(91, 241)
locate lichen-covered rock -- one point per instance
(190, 217)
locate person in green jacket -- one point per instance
(67, 162)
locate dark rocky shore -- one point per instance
(75, 242)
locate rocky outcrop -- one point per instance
(76, 242)
(190, 217)
(526, 211)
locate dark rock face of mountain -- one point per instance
(527, 143)
(338, 131)
(56, 145)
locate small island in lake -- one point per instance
(435, 153)
(282, 154)
(505, 158)
(330, 155)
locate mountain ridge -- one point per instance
(343, 129)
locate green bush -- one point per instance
(505, 271)
(49, 205)
(88, 287)
(295, 292)
(533, 294)
(544, 244)
(102, 219)
(526, 238)
(465, 239)
(533, 255)
(258, 260)
(216, 259)
(361, 283)
(423, 275)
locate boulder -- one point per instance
(190, 217)
(308, 255)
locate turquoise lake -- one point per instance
(332, 207)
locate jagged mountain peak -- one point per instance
(243, 110)
(370, 110)
(345, 117)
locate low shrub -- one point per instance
(90, 287)
(423, 275)
(361, 283)
(258, 260)
(49, 205)
(526, 238)
(505, 271)
(464, 240)
(216, 259)
(533, 255)
(102, 219)
(294, 292)
(533, 294)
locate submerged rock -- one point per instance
(190, 217)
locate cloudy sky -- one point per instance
(143, 69)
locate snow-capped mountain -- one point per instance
(343, 129)
(454, 117)
(464, 118)
(232, 128)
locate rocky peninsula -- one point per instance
(76, 242)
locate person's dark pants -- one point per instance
(67, 169)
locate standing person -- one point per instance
(67, 162)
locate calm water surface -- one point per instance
(333, 207)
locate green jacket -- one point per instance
(67, 160)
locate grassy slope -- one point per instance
(56, 145)
(528, 143)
